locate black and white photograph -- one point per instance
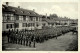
(39, 26)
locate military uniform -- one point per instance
(16, 38)
(8, 35)
(29, 42)
(34, 42)
(26, 40)
(21, 39)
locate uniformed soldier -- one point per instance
(13, 38)
(21, 39)
(8, 35)
(40, 39)
(29, 41)
(26, 40)
(34, 42)
(16, 38)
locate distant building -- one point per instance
(57, 21)
(18, 18)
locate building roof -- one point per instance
(19, 11)
(49, 21)
(57, 19)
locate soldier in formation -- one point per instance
(27, 37)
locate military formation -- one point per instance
(31, 37)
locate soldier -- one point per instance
(13, 38)
(34, 42)
(26, 40)
(40, 39)
(29, 41)
(8, 35)
(16, 38)
(21, 39)
(10, 38)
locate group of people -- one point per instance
(29, 38)
(20, 37)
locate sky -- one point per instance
(62, 9)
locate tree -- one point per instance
(53, 16)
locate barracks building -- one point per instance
(55, 21)
(19, 18)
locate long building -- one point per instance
(58, 21)
(19, 18)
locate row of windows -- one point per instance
(8, 26)
(27, 18)
(9, 17)
(16, 25)
(28, 24)
(8, 14)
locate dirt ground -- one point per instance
(62, 43)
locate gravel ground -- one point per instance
(62, 43)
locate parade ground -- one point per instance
(64, 42)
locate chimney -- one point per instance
(18, 6)
(7, 3)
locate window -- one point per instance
(16, 25)
(8, 17)
(17, 17)
(24, 17)
(24, 25)
(9, 26)
(36, 18)
(28, 24)
(31, 18)
(32, 24)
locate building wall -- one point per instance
(4, 25)
(13, 19)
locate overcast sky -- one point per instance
(62, 9)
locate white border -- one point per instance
(78, 1)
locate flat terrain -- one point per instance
(62, 43)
